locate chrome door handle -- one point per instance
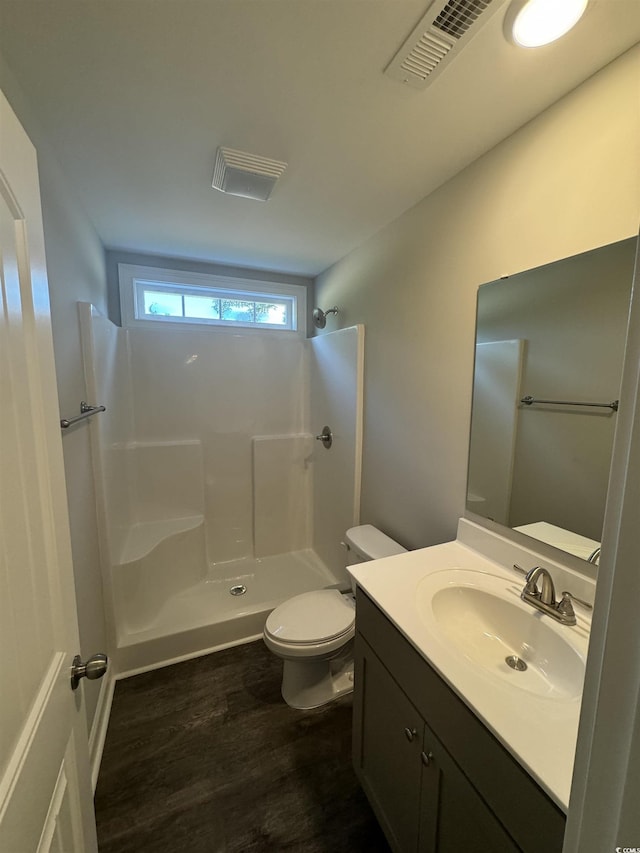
(410, 734)
(95, 667)
(427, 758)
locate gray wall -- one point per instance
(563, 184)
(76, 271)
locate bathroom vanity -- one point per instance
(453, 752)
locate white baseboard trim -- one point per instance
(190, 656)
(99, 727)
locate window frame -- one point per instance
(131, 276)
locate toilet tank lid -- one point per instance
(371, 543)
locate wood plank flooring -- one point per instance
(205, 757)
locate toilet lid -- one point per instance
(312, 617)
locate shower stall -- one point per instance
(215, 502)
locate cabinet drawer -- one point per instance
(523, 808)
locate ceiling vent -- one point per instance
(245, 175)
(436, 39)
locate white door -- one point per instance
(45, 788)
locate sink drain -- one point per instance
(516, 663)
(238, 589)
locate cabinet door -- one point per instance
(453, 816)
(387, 745)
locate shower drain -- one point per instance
(238, 589)
(516, 663)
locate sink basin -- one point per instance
(482, 618)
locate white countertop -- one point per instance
(539, 731)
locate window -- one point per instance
(149, 295)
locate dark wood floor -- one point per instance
(205, 756)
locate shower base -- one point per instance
(207, 616)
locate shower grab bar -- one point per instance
(612, 405)
(85, 412)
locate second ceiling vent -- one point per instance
(435, 40)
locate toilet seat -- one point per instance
(312, 618)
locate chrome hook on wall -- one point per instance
(326, 437)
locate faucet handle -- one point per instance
(573, 597)
(565, 606)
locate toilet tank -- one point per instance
(366, 542)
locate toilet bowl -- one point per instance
(313, 632)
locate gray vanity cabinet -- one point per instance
(422, 800)
(437, 779)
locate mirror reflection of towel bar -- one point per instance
(612, 405)
(85, 412)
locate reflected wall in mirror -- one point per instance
(554, 333)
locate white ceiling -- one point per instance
(136, 95)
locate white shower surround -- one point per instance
(208, 477)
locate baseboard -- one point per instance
(99, 727)
(169, 661)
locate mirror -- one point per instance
(555, 334)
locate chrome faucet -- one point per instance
(594, 557)
(547, 595)
(544, 599)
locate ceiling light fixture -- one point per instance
(533, 23)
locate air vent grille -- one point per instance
(426, 56)
(246, 175)
(458, 15)
(430, 47)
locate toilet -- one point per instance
(313, 632)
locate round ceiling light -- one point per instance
(532, 23)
